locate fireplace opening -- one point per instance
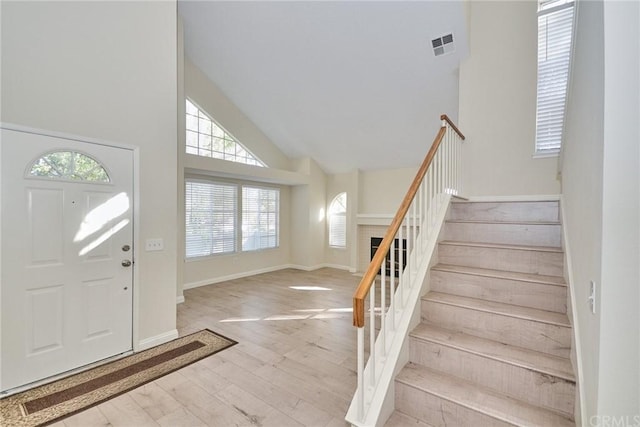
(375, 243)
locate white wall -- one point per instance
(382, 191)
(308, 219)
(498, 103)
(601, 194)
(582, 186)
(106, 70)
(619, 374)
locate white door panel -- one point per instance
(66, 298)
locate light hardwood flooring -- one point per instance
(294, 363)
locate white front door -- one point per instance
(67, 267)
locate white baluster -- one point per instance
(383, 307)
(361, 373)
(392, 279)
(372, 333)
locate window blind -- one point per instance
(260, 217)
(555, 27)
(211, 212)
(338, 221)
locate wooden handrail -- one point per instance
(370, 275)
(454, 127)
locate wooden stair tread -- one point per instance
(499, 308)
(478, 398)
(503, 246)
(399, 419)
(501, 274)
(541, 362)
(486, 221)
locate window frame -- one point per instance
(546, 8)
(29, 171)
(238, 217)
(343, 214)
(276, 214)
(249, 158)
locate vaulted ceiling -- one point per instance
(350, 84)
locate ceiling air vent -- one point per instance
(443, 45)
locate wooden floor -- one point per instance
(294, 364)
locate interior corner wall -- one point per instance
(497, 93)
(582, 170)
(106, 70)
(308, 219)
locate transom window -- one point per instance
(206, 138)
(214, 211)
(338, 221)
(68, 165)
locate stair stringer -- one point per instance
(381, 405)
(576, 349)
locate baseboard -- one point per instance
(522, 198)
(338, 267)
(157, 340)
(220, 279)
(179, 299)
(234, 276)
(306, 267)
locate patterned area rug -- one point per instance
(51, 402)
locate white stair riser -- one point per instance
(512, 211)
(529, 386)
(526, 294)
(538, 336)
(522, 261)
(510, 234)
(439, 412)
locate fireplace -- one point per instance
(375, 243)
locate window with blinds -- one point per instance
(211, 218)
(208, 139)
(214, 213)
(338, 221)
(555, 29)
(260, 212)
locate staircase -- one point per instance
(493, 345)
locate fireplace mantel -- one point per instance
(374, 219)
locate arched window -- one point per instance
(338, 221)
(68, 165)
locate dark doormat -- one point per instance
(59, 399)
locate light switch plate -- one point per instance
(154, 245)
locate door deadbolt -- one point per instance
(126, 263)
(126, 248)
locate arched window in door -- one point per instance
(68, 165)
(338, 221)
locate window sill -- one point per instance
(546, 155)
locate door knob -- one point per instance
(126, 263)
(126, 248)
